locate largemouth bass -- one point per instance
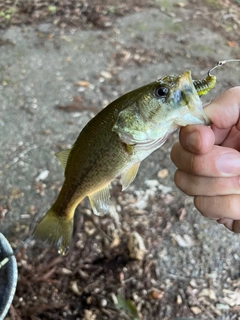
(114, 143)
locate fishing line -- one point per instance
(6, 259)
(221, 63)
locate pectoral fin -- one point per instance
(63, 157)
(129, 175)
(99, 201)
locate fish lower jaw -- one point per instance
(197, 117)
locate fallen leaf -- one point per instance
(66, 271)
(136, 246)
(113, 213)
(223, 307)
(88, 315)
(181, 4)
(179, 299)
(74, 288)
(196, 310)
(182, 214)
(208, 293)
(89, 228)
(209, 305)
(75, 105)
(184, 241)
(232, 44)
(106, 74)
(82, 83)
(232, 298)
(156, 294)
(162, 173)
(67, 39)
(42, 176)
(115, 242)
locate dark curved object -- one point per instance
(8, 277)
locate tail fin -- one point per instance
(55, 230)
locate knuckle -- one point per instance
(232, 205)
(198, 203)
(195, 164)
(218, 207)
(183, 182)
(233, 91)
(223, 185)
(174, 152)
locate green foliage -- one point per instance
(111, 9)
(7, 14)
(52, 9)
(128, 307)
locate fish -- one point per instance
(113, 143)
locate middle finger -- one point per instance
(194, 185)
(218, 162)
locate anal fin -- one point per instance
(129, 175)
(100, 201)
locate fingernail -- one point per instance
(229, 163)
(193, 141)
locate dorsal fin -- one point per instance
(63, 157)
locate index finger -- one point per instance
(223, 113)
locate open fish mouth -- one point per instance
(193, 113)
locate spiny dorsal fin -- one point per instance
(63, 157)
(129, 175)
(100, 200)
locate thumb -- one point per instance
(224, 110)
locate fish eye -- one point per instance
(161, 92)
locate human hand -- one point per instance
(208, 161)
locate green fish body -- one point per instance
(114, 143)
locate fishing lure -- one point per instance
(205, 85)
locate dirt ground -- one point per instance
(61, 62)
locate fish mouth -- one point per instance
(193, 104)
